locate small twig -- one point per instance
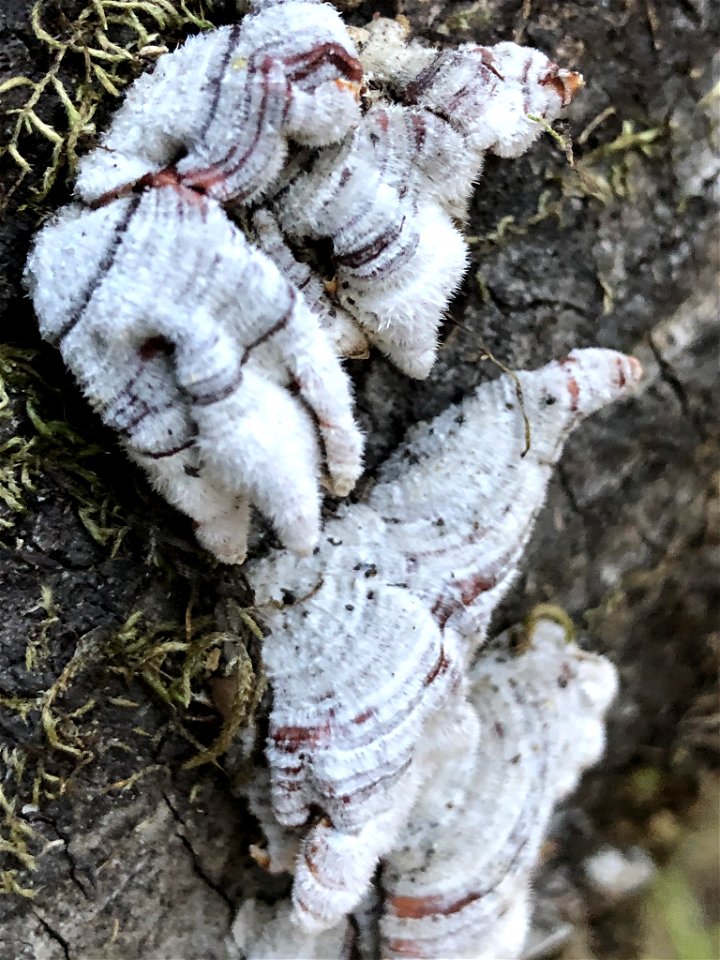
(518, 393)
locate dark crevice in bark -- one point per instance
(195, 860)
(54, 935)
(657, 551)
(568, 491)
(73, 868)
(690, 11)
(506, 306)
(668, 376)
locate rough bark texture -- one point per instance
(135, 856)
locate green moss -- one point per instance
(36, 652)
(47, 446)
(179, 661)
(20, 844)
(562, 141)
(603, 175)
(90, 59)
(40, 449)
(550, 204)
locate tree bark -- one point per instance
(109, 847)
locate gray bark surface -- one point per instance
(136, 856)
